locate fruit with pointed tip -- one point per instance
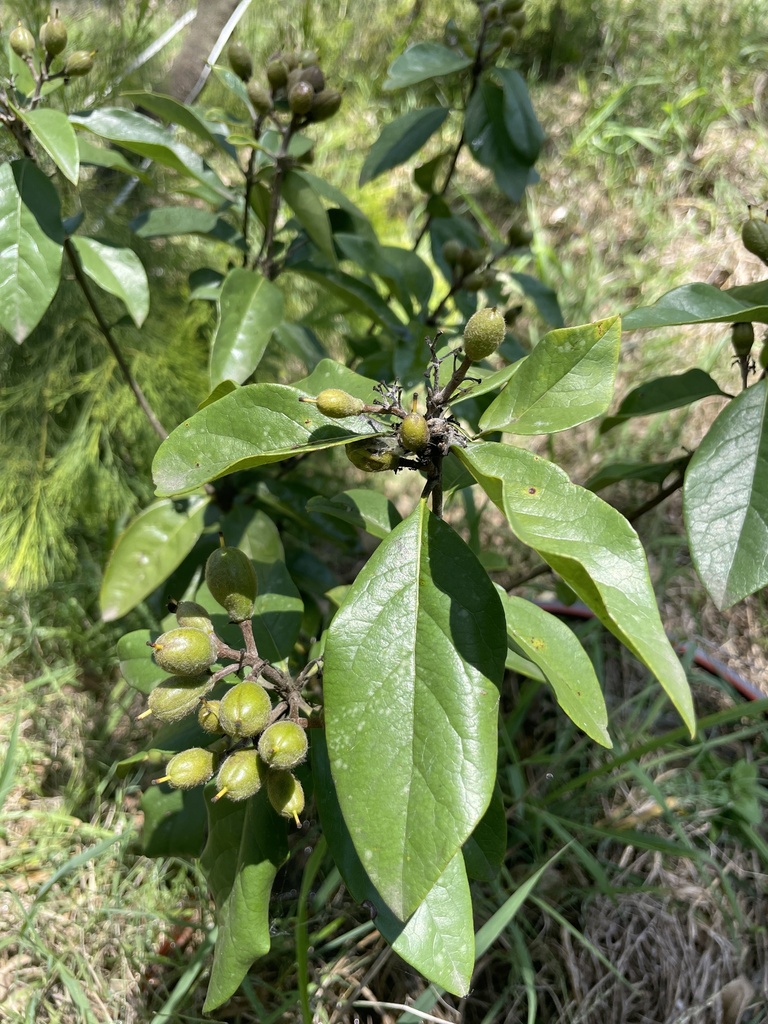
(754, 235)
(314, 76)
(53, 35)
(286, 794)
(742, 339)
(79, 63)
(240, 60)
(283, 745)
(244, 710)
(189, 768)
(259, 97)
(374, 454)
(231, 578)
(177, 697)
(337, 404)
(184, 651)
(277, 73)
(192, 614)
(239, 776)
(414, 431)
(325, 105)
(300, 98)
(21, 41)
(483, 333)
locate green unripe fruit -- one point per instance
(239, 776)
(474, 282)
(754, 235)
(300, 98)
(509, 36)
(471, 259)
(308, 57)
(208, 716)
(517, 20)
(192, 614)
(493, 12)
(22, 41)
(277, 73)
(244, 710)
(231, 578)
(452, 252)
(292, 59)
(283, 745)
(314, 76)
(79, 63)
(414, 432)
(286, 794)
(294, 77)
(184, 651)
(325, 104)
(240, 60)
(53, 36)
(484, 333)
(177, 697)
(742, 339)
(511, 6)
(373, 455)
(189, 768)
(337, 404)
(259, 97)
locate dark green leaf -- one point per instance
(300, 342)
(484, 850)
(251, 308)
(662, 394)
(136, 664)
(147, 551)
(253, 426)
(225, 388)
(423, 61)
(413, 661)
(590, 545)
(400, 139)
(100, 156)
(166, 221)
(438, 940)
(551, 645)
(424, 174)
(370, 510)
(544, 297)
(30, 253)
(650, 472)
(56, 135)
(355, 293)
(246, 845)
(205, 283)
(490, 144)
(567, 379)
(523, 128)
(117, 271)
(174, 822)
(696, 304)
(302, 198)
(725, 500)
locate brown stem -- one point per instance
(106, 331)
(440, 398)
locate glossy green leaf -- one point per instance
(662, 394)
(205, 283)
(423, 61)
(413, 661)
(372, 511)
(725, 500)
(591, 545)
(117, 271)
(142, 135)
(551, 645)
(174, 822)
(649, 472)
(355, 293)
(567, 379)
(30, 253)
(525, 132)
(171, 110)
(489, 141)
(246, 846)
(166, 221)
(251, 308)
(298, 192)
(56, 135)
(225, 388)
(136, 664)
(253, 426)
(400, 139)
(405, 274)
(147, 551)
(299, 341)
(697, 304)
(484, 850)
(101, 156)
(438, 939)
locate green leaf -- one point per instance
(544, 298)
(136, 664)
(650, 472)
(251, 308)
(590, 545)
(225, 388)
(117, 271)
(489, 142)
(696, 304)
(302, 198)
(56, 135)
(372, 511)
(174, 822)
(142, 135)
(662, 394)
(166, 221)
(100, 156)
(246, 845)
(253, 426)
(413, 661)
(567, 379)
(174, 112)
(30, 253)
(152, 545)
(400, 139)
(484, 850)
(438, 939)
(551, 645)
(423, 61)
(355, 293)
(725, 500)
(525, 132)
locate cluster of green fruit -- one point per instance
(506, 15)
(467, 263)
(253, 749)
(754, 235)
(414, 433)
(53, 39)
(295, 82)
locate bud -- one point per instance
(259, 97)
(79, 63)
(277, 73)
(240, 60)
(742, 339)
(53, 36)
(21, 41)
